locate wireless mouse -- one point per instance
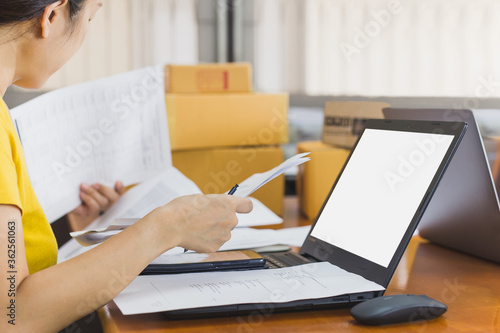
(397, 309)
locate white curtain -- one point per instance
(378, 47)
(130, 34)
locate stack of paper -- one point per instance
(157, 293)
(142, 199)
(241, 238)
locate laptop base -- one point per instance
(267, 309)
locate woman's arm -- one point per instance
(49, 300)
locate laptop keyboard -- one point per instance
(284, 259)
(271, 262)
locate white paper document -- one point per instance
(241, 238)
(170, 184)
(150, 194)
(260, 215)
(97, 132)
(157, 293)
(256, 181)
(247, 238)
(153, 193)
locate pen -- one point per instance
(231, 191)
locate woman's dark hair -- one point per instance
(17, 11)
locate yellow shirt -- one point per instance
(16, 189)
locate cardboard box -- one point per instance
(217, 170)
(221, 120)
(344, 120)
(316, 177)
(209, 78)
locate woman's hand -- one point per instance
(201, 223)
(96, 199)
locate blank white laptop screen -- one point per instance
(379, 192)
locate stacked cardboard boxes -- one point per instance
(221, 132)
(343, 122)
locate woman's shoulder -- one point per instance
(7, 130)
(9, 145)
(4, 115)
(3, 107)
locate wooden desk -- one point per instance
(469, 286)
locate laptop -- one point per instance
(363, 229)
(464, 213)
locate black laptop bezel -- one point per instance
(322, 251)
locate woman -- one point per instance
(36, 38)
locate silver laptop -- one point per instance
(464, 213)
(371, 212)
